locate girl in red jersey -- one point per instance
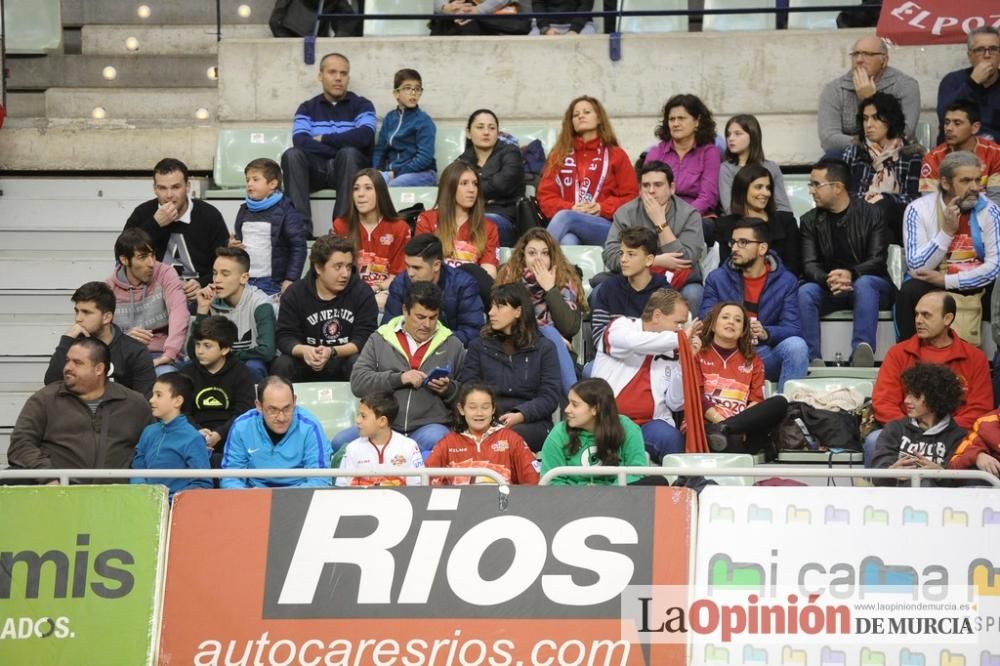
(737, 417)
(377, 235)
(479, 441)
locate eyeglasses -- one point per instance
(274, 412)
(983, 50)
(865, 54)
(742, 242)
(813, 185)
(406, 90)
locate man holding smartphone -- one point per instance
(416, 357)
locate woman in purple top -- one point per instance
(687, 144)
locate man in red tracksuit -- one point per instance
(981, 448)
(934, 342)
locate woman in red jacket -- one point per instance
(587, 177)
(737, 417)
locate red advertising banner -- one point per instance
(915, 22)
(419, 576)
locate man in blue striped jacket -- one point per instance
(332, 138)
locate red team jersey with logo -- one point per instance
(987, 151)
(962, 252)
(465, 251)
(729, 384)
(381, 253)
(500, 449)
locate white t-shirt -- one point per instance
(385, 461)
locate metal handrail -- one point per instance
(790, 471)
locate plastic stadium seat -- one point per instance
(587, 257)
(33, 26)
(730, 22)
(415, 27)
(448, 145)
(843, 373)
(653, 23)
(923, 134)
(236, 147)
(330, 402)
(896, 265)
(812, 20)
(404, 197)
(797, 187)
(713, 461)
(862, 386)
(503, 254)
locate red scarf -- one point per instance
(583, 182)
(694, 418)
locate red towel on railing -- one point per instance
(694, 418)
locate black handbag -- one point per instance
(529, 215)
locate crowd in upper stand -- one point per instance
(464, 360)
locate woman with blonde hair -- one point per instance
(588, 176)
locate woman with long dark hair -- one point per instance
(753, 197)
(371, 224)
(520, 363)
(501, 171)
(593, 434)
(744, 146)
(885, 168)
(687, 144)
(587, 177)
(737, 417)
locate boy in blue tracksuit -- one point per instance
(172, 442)
(270, 229)
(404, 151)
(276, 435)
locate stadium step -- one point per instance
(127, 71)
(31, 335)
(132, 103)
(84, 12)
(12, 397)
(165, 39)
(37, 302)
(53, 269)
(25, 104)
(23, 369)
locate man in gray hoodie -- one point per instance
(869, 73)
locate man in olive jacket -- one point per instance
(81, 422)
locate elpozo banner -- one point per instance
(418, 576)
(80, 573)
(912, 574)
(916, 22)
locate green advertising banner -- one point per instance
(80, 570)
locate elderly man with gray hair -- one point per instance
(979, 83)
(950, 240)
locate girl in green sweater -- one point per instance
(593, 434)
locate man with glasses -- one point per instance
(756, 278)
(404, 152)
(278, 434)
(845, 247)
(836, 117)
(332, 138)
(980, 83)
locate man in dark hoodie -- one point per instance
(223, 385)
(131, 363)
(326, 317)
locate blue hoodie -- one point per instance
(303, 446)
(174, 445)
(461, 304)
(778, 310)
(405, 142)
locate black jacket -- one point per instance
(221, 397)
(131, 364)
(866, 234)
(784, 242)
(206, 232)
(501, 179)
(305, 318)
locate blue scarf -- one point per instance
(975, 229)
(255, 206)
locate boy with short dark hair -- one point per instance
(380, 447)
(625, 293)
(270, 229)
(404, 152)
(231, 296)
(223, 386)
(172, 442)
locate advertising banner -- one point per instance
(80, 573)
(916, 22)
(419, 576)
(841, 576)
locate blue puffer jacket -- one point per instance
(778, 310)
(288, 238)
(526, 381)
(461, 304)
(405, 142)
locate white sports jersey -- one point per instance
(384, 461)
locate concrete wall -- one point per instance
(777, 75)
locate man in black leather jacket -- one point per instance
(845, 262)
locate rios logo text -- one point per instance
(396, 553)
